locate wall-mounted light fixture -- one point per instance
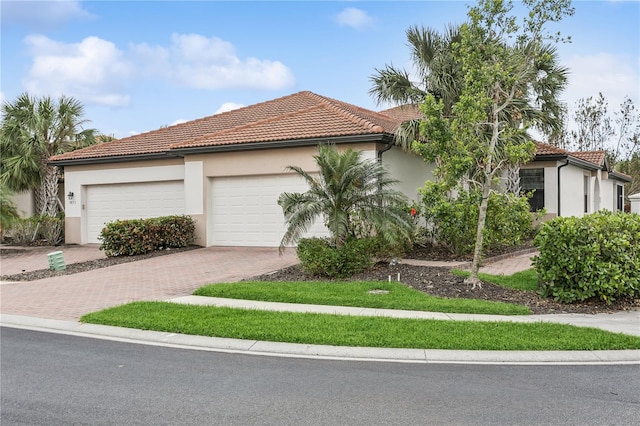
(70, 195)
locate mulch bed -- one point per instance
(74, 268)
(440, 282)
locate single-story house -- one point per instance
(572, 183)
(227, 170)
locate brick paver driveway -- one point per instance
(68, 297)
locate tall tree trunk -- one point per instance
(49, 191)
(482, 219)
(512, 179)
(488, 173)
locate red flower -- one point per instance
(413, 212)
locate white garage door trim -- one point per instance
(106, 203)
(245, 212)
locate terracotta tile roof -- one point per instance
(595, 157)
(547, 149)
(403, 112)
(297, 116)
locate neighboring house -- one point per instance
(227, 170)
(572, 183)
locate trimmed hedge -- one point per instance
(319, 257)
(597, 255)
(140, 236)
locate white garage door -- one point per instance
(106, 203)
(245, 210)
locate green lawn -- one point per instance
(356, 294)
(525, 280)
(362, 331)
(357, 331)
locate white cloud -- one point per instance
(356, 18)
(228, 106)
(195, 61)
(39, 14)
(91, 71)
(615, 76)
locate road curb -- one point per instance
(252, 347)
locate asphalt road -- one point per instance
(54, 379)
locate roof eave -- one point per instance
(289, 143)
(114, 159)
(180, 152)
(572, 160)
(620, 177)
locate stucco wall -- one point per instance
(201, 168)
(25, 204)
(194, 170)
(572, 191)
(607, 197)
(410, 169)
(78, 178)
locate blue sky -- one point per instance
(139, 65)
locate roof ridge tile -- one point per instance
(244, 126)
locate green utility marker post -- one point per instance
(56, 261)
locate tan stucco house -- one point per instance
(572, 183)
(227, 170)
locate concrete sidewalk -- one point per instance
(627, 322)
(56, 304)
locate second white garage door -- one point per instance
(245, 210)
(106, 203)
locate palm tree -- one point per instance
(33, 130)
(438, 71)
(347, 186)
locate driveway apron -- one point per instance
(68, 297)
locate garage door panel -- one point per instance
(245, 210)
(106, 203)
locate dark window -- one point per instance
(620, 198)
(532, 180)
(586, 194)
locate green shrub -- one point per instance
(140, 236)
(8, 209)
(28, 229)
(22, 230)
(597, 255)
(319, 257)
(453, 221)
(509, 221)
(51, 228)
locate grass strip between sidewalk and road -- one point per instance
(363, 294)
(339, 330)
